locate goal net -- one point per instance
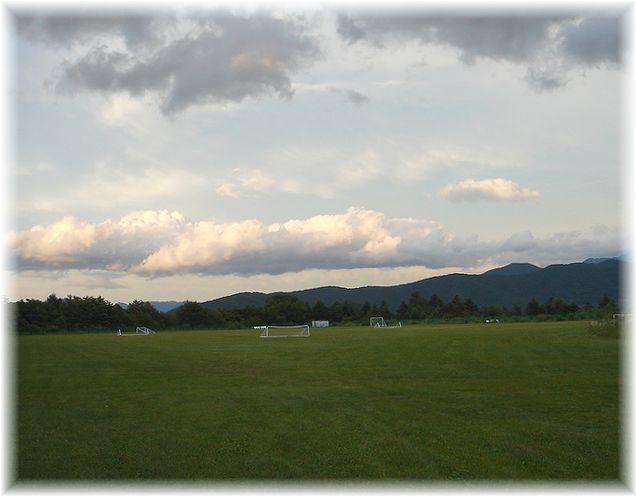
(144, 330)
(295, 331)
(380, 322)
(377, 322)
(139, 331)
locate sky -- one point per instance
(180, 153)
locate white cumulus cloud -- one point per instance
(163, 243)
(487, 189)
(61, 242)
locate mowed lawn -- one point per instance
(445, 402)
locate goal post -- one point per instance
(144, 330)
(139, 331)
(377, 322)
(292, 331)
(380, 322)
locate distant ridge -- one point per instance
(161, 306)
(239, 300)
(583, 283)
(166, 306)
(514, 269)
(597, 260)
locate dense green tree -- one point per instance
(286, 309)
(142, 313)
(403, 311)
(335, 312)
(416, 306)
(55, 311)
(435, 305)
(384, 311)
(86, 313)
(534, 307)
(348, 311)
(470, 307)
(454, 308)
(607, 306)
(32, 315)
(556, 306)
(319, 311)
(516, 310)
(192, 314)
(491, 311)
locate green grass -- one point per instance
(508, 402)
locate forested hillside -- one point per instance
(514, 284)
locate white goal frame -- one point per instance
(144, 330)
(377, 322)
(139, 331)
(380, 322)
(291, 331)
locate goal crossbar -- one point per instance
(139, 331)
(377, 322)
(278, 331)
(380, 322)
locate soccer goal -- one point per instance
(144, 330)
(380, 322)
(139, 331)
(377, 322)
(294, 331)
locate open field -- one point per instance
(446, 402)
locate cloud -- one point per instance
(120, 110)
(107, 186)
(550, 47)
(63, 242)
(328, 172)
(542, 80)
(162, 243)
(229, 189)
(227, 59)
(357, 238)
(136, 30)
(246, 182)
(356, 97)
(593, 40)
(497, 37)
(487, 189)
(72, 243)
(353, 96)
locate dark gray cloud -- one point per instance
(99, 70)
(544, 80)
(559, 42)
(226, 60)
(136, 30)
(593, 41)
(356, 97)
(353, 96)
(223, 57)
(499, 38)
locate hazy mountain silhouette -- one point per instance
(514, 284)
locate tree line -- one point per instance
(74, 313)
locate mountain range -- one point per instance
(514, 284)
(162, 306)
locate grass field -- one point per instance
(447, 402)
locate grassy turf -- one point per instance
(516, 402)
